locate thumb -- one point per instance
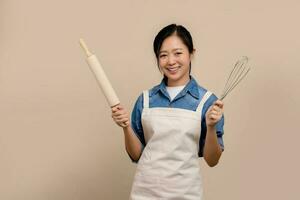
(116, 107)
(219, 103)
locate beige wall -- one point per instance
(57, 140)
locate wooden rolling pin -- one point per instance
(101, 77)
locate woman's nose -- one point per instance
(171, 60)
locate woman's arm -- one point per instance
(212, 150)
(132, 143)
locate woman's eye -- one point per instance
(162, 56)
(178, 53)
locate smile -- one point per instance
(173, 69)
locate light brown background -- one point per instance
(57, 140)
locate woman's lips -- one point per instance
(173, 70)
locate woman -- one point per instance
(172, 125)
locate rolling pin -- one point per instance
(101, 77)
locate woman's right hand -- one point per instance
(120, 116)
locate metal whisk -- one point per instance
(239, 71)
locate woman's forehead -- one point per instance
(172, 43)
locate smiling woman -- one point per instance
(173, 48)
(174, 61)
(172, 124)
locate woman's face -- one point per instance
(174, 61)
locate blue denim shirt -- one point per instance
(189, 98)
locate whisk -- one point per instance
(238, 73)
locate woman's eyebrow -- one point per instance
(177, 49)
(165, 51)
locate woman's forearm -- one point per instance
(132, 143)
(212, 150)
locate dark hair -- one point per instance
(169, 30)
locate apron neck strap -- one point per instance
(146, 98)
(202, 102)
(199, 108)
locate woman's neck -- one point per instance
(178, 83)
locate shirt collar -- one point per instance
(191, 87)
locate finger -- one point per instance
(120, 124)
(117, 108)
(216, 108)
(214, 112)
(122, 120)
(214, 119)
(122, 117)
(119, 113)
(208, 113)
(124, 125)
(119, 116)
(114, 115)
(114, 109)
(214, 116)
(219, 103)
(218, 112)
(219, 109)
(126, 120)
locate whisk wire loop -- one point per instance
(237, 74)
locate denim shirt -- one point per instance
(189, 98)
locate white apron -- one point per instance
(169, 167)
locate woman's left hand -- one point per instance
(214, 113)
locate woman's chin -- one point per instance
(177, 79)
(173, 77)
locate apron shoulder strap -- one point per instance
(146, 98)
(202, 102)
